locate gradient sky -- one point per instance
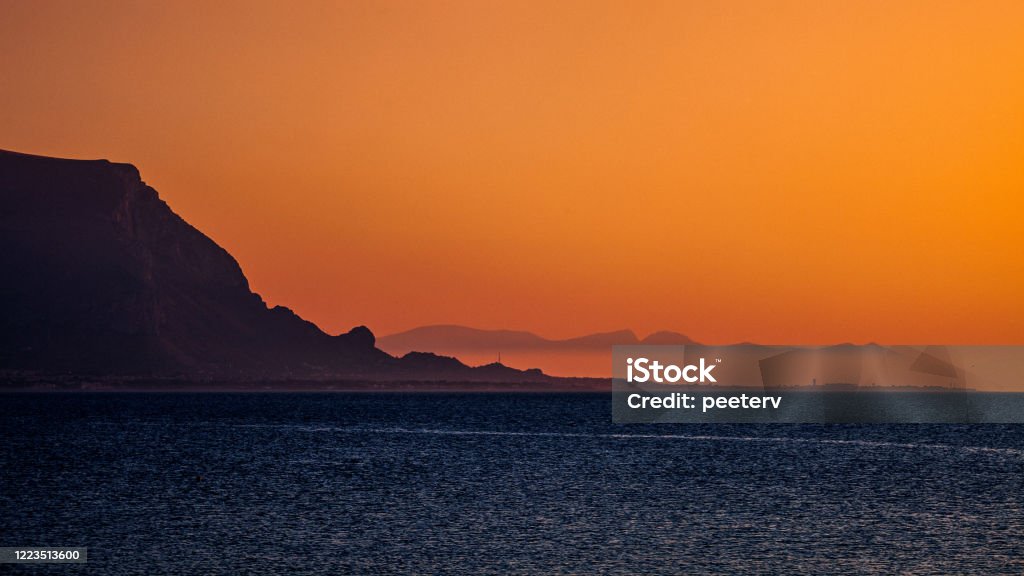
(785, 172)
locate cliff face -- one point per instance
(100, 276)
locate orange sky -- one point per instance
(786, 172)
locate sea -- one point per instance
(399, 483)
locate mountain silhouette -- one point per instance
(452, 337)
(102, 277)
(588, 355)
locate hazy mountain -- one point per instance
(666, 338)
(588, 355)
(451, 337)
(101, 277)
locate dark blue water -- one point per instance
(494, 484)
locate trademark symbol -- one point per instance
(718, 360)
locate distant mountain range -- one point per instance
(451, 337)
(100, 277)
(588, 355)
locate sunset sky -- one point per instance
(782, 172)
